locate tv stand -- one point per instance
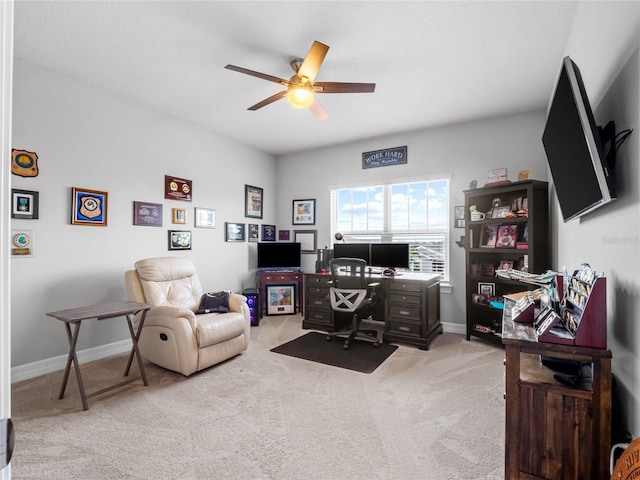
(280, 277)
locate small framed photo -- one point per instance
(488, 289)
(284, 235)
(488, 236)
(488, 270)
(506, 264)
(268, 233)
(234, 232)
(179, 240)
(306, 239)
(179, 215)
(506, 237)
(24, 204)
(304, 212)
(88, 207)
(281, 299)
(148, 214)
(501, 212)
(253, 201)
(204, 217)
(254, 232)
(458, 221)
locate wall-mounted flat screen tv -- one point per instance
(278, 255)
(352, 250)
(575, 148)
(390, 255)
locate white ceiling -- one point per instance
(433, 63)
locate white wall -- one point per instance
(464, 152)
(88, 138)
(604, 44)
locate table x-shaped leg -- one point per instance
(73, 341)
(135, 336)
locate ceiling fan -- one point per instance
(301, 86)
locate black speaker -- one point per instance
(253, 301)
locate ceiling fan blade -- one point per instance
(343, 87)
(268, 101)
(317, 109)
(312, 62)
(264, 76)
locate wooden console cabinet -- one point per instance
(554, 431)
(410, 308)
(280, 277)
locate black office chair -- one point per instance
(351, 293)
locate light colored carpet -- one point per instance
(434, 414)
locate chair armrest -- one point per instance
(236, 301)
(167, 316)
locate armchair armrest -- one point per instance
(169, 317)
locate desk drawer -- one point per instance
(404, 299)
(409, 313)
(400, 286)
(402, 328)
(319, 315)
(319, 301)
(321, 291)
(280, 277)
(317, 280)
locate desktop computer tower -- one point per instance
(253, 301)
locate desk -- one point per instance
(410, 308)
(75, 316)
(552, 430)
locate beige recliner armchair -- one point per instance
(173, 336)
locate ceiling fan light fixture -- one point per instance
(300, 96)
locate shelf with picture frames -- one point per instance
(506, 227)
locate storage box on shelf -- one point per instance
(509, 230)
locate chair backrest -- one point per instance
(171, 281)
(348, 283)
(348, 273)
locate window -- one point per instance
(414, 212)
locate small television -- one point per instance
(580, 166)
(351, 250)
(278, 255)
(390, 255)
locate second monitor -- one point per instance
(385, 255)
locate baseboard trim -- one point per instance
(458, 328)
(42, 367)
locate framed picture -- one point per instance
(304, 212)
(306, 239)
(177, 188)
(149, 214)
(268, 233)
(488, 289)
(234, 232)
(506, 264)
(501, 212)
(281, 299)
(489, 236)
(506, 237)
(21, 242)
(179, 240)
(24, 204)
(252, 201)
(88, 207)
(284, 235)
(204, 217)
(179, 215)
(254, 232)
(458, 217)
(488, 270)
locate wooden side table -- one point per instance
(75, 316)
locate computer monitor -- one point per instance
(352, 250)
(390, 255)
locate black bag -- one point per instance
(214, 302)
